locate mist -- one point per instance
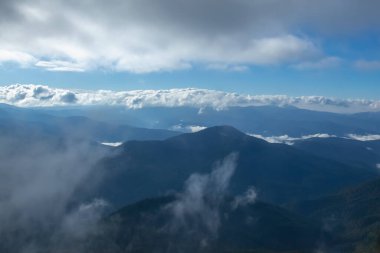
(196, 212)
(39, 179)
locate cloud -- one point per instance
(41, 95)
(38, 187)
(82, 221)
(196, 211)
(249, 197)
(148, 36)
(289, 140)
(23, 59)
(112, 144)
(191, 128)
(227, 67)
(61, 66)
(286, 139)
(328, 62)
(369, 137)
(367, 65)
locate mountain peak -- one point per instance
(212, 133)
(223, 130)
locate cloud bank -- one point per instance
(370, 137)
(148, 36)
(286, 139)
(31, 95)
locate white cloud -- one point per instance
(61, 66)
(367, 65)
(249, 197)
(226, 67)
(286, 139)
(112, 144)
(197, 207)
(40, 95)
(369, 137)
(23, 59)
(191, 128)
(327, 62)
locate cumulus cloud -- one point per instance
(146, 36)
(286, 139)
(40, 95)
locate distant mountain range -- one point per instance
(27, 122)
(214, 190)
(353, 152)
(264, 120)
(101, 121)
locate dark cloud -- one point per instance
(146, 35)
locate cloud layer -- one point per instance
(147, 36)
(286, 139)
(40, 95)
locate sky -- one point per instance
(290, 47)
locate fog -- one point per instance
(39, 179)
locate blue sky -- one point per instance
(329, 48)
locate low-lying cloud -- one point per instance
(369, 137)
(40, 95)
(286, 139)
(196, 212)
(190, 128)
(39, 182)
(249, 197)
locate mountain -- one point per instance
(24, 122)
(353, 215)
(280, 173)
(149, 226)
(354, 152)
(264, 120)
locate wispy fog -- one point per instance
(196, 212)
(38, 181)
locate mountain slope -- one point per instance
(354, 152)
(353, 215)
(149, 226)
(280, 173)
